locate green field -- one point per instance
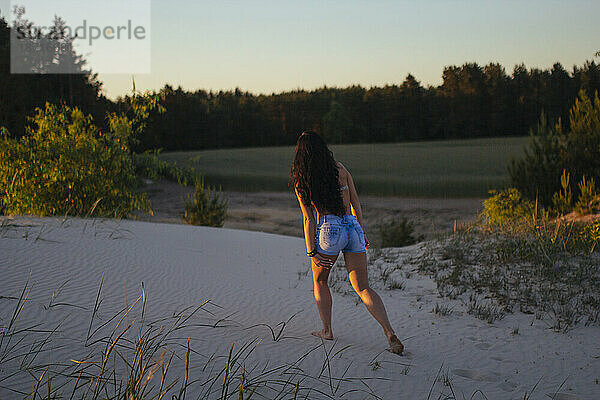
(453, 168)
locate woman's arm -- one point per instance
(310, 225)
(355, 203)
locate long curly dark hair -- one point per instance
(315, 174)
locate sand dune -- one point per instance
(260, 296)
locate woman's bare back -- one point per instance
(344, 183)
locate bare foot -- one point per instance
(322, 334)
(396, 345)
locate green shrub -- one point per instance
(509, 214)
(398, 233)
(589, 200)
(507, 210)
(590, 235)
(553, 149)
(64, 164)
(205, 207)
(562, 202)
(149, 165)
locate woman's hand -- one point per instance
(366, 241)
(320, 261)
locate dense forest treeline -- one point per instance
(472, 101)
(20, 94)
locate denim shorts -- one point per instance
(335, 234)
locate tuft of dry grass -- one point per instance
(542, 273)
(127, 355)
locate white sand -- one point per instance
(253, 278)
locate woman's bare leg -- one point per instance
(323, 298)
(356, 264)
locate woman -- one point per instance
(325, 186)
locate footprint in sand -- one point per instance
(475, 375)
(562, 396)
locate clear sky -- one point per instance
(268, 46)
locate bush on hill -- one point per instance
(554, 150)
(66, 165)
(205, 207)
(398, 233)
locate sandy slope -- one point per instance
(256, 278)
